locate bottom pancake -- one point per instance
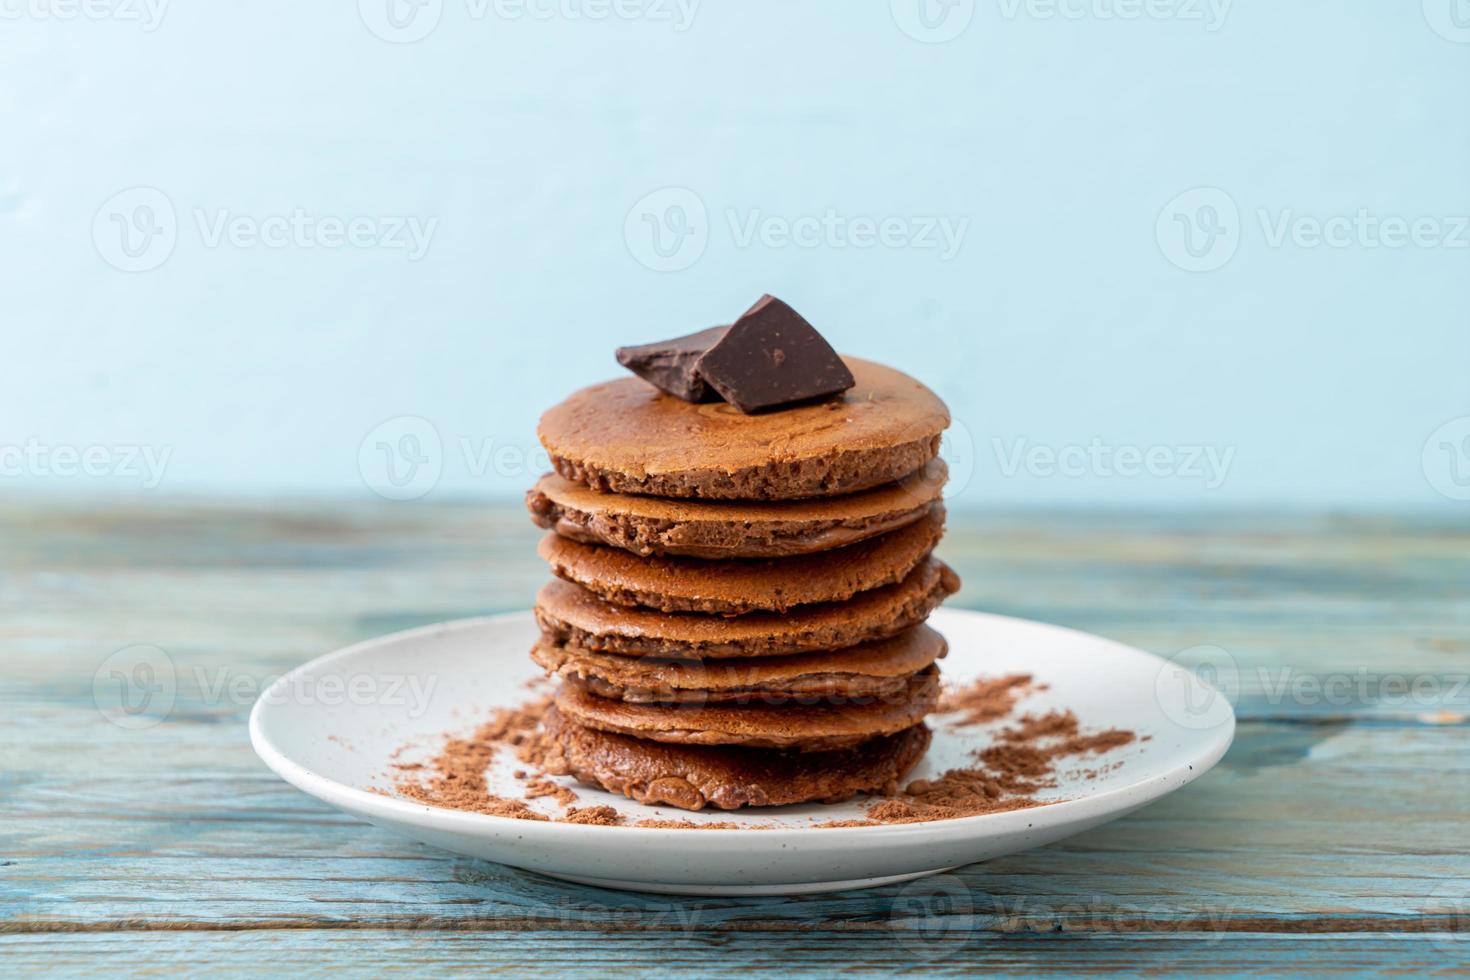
(835, 723)
(695, 776)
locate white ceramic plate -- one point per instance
(332, 728)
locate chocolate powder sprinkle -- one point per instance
(457, 780)
(1020, 762)
(601, 816)
(985, 700)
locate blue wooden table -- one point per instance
(1335, 835)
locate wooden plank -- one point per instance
(958, 952)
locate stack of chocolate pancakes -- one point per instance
(737, 617)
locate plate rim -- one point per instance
(368, 804)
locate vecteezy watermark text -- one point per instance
(301, 229)
(1190, 683)
(1210, 13)
(147, 14)
(1211, 464)
(137, 229)
(407, 21)
(1363, 229)
(832, 229)
(1201, 229)
(938, 21)
(145, 464)
(669, 229)
(409, 691)
(137, 687)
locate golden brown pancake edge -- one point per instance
(571, 614)
(736, 586)
(872, 669)
(821, 726)
(731, 529)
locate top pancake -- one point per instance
(628, 437)
(731, 529)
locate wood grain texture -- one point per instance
(1332, 836)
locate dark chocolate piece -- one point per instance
(668, 365)
(770, 357)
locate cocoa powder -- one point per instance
(601, 816)
(985, 700)
(542, 786)
(1022, 761)
(457, 773)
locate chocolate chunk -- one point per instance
(770, 357)
(668, 365)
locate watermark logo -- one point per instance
(1450, 899)
(667, 230)
(408, 456)
(135, 229)
(933, 21)
(1199, 230)
(147, 14)
(933, 916)
(402, 458)
(1190, 684)
(400, 21)
(1450, 19)
(135, 687)
(1446, 459)
(957, 449)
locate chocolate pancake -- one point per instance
(570, 614)
(826, 724)
(721, 529)
(878, 669)
(743, 585)
(626, 436)
(729, 777)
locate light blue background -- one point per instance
(1060, 320)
